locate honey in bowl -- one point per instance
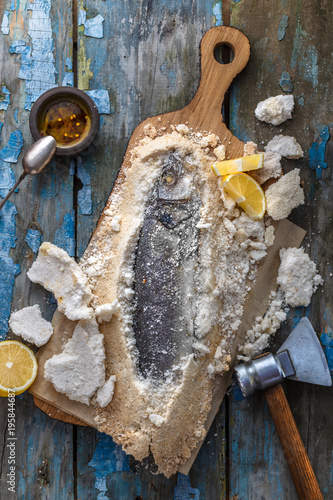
(66, 122)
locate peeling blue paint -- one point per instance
(8, 270)
(33, 239)
(65, 236)
(5, 22)
(283, 25)
(69, 63)
(68, 80)
(1, 125)
(11, 151)
(317, 153)
(108, 458)
(300, 101)
(102, 100)
(82, 15)
(92, 27)
(327, 342)
(183, 489)
(5, 102)
(16, 115)
(285, 82)
(7, 178)
(217, 11)
(84, 195)
(12, 5)
(9, 154)
(37, 62)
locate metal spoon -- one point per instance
(34, 160)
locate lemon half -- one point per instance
(247, 193)
(18, 367)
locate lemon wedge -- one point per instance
(253, 162)
(247, 193)
(18, 367)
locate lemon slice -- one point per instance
(247, 193)
(18, 367)
(244, 164)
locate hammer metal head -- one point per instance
(301, 358)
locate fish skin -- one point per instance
(166, 259)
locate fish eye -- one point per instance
(169, 177)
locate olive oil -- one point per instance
(66, 122)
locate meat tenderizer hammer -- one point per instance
(301, 358)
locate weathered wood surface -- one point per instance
(147, 61)
(289, 38)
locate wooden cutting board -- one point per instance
(202, 114)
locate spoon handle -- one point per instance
(20, 179)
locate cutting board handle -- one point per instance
(217, 77)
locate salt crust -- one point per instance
(222, 286)
(79, 370)
(29, 324)
(56, 271)
(284, 195)
(105, 393)
(286, 146)
(275, 110)
(297, 276)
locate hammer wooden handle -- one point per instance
(292, 444)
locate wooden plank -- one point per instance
(287, 39)
(34, 52)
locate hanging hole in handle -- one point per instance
(224, 53)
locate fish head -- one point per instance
(174, 184)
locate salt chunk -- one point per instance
(286, 146)
(156, 419)
(105, 312)
(284, 195)
(219, 152)
(199, 346)
(250, 148)
(182, 129)
(210, 141)
(56, 271)
(115, 223)
(229, 226)
(150, 131)
(210, 369)
(105, 393)
(275, 110)
(252, 228)
(29, 324)
(79, 370)
(257, 254)
(269, 236)
(271, 170)
(297, 276)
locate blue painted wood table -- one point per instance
(139, 59)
